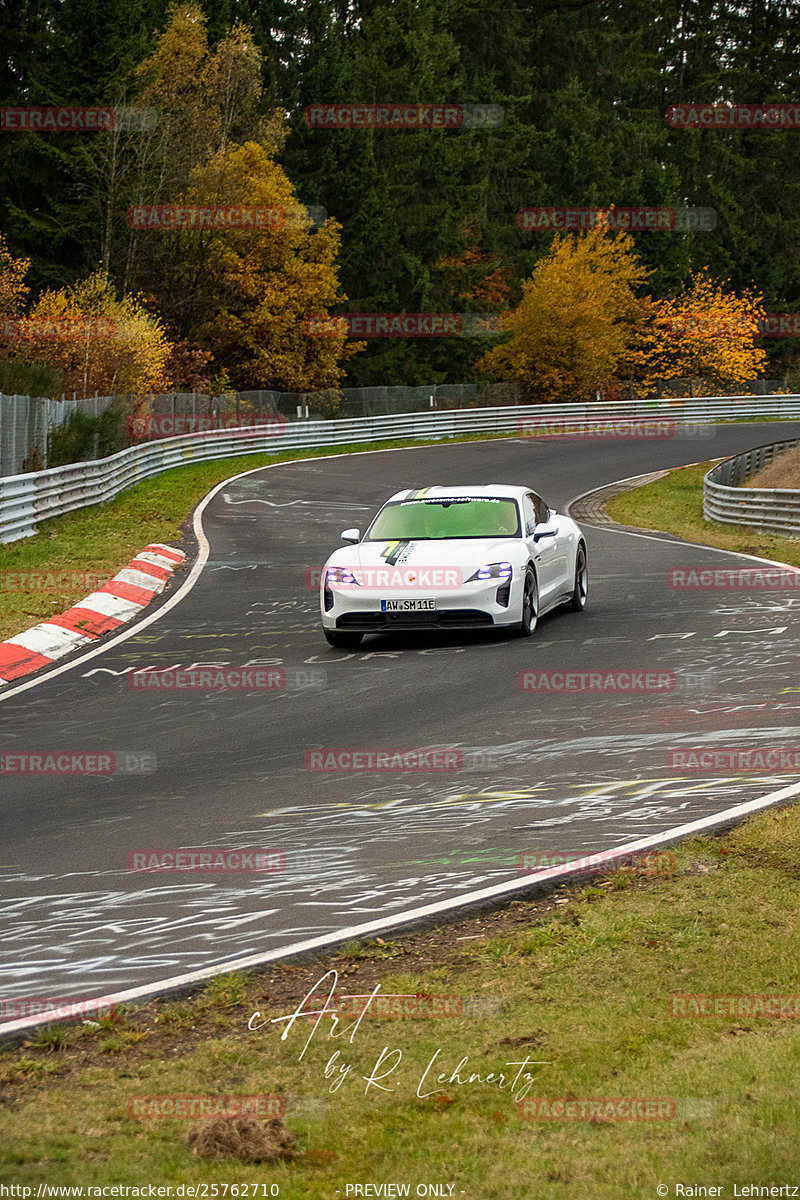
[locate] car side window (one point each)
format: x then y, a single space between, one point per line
542 511
529 513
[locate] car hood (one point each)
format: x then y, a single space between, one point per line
462 552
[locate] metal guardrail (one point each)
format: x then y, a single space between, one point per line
776 510
27 499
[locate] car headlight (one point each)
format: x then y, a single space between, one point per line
501 570
339 575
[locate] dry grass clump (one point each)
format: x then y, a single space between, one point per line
244 1138
782 472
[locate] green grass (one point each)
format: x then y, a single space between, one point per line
584 989
674 504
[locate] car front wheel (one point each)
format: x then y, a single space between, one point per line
530 605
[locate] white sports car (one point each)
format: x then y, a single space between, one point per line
454 558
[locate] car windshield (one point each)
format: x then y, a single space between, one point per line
445 517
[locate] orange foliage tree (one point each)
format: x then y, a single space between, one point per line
706 334
242 294
205 99
13 289
474 276
571 328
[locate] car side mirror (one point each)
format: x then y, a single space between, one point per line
543 531
351 535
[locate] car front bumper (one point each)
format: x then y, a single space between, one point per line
472 605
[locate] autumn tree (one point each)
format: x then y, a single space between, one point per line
97 342
189 368
13 289
197 100
18 377
475 280
572 326
239 294
707 333
205 98
246 293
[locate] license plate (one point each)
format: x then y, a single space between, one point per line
408 605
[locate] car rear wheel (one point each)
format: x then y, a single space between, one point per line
581 589
530 604
342 641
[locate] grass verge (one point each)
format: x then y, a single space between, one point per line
578 981
674 504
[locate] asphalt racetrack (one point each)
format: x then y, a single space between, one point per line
558 772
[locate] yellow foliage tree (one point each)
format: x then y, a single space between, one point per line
254 287
572 326
98 343
13 289
206 99
706 334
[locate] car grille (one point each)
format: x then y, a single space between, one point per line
441 619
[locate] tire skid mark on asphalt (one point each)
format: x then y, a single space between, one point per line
66 937
61 934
